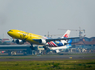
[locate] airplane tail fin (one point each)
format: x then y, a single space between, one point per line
66 35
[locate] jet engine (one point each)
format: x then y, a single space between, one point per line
43 41
18 41
57 51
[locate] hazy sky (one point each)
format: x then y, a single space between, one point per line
41 16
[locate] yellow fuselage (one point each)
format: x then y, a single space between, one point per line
17 34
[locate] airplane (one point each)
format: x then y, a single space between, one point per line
55 44
62 44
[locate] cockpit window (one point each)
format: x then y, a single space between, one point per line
10 30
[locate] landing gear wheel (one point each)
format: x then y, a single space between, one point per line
32 48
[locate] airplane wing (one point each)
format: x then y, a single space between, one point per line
57 39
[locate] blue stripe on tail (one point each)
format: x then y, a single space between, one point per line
69 45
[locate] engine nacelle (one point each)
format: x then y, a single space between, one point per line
43 41
57 51
18 41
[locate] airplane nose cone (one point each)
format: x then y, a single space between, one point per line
10 32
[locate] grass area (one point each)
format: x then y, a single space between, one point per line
37 56
49 65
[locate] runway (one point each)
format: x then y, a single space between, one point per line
47 57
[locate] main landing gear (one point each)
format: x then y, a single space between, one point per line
32 48
45 47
